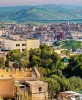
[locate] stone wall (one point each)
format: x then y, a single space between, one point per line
7 87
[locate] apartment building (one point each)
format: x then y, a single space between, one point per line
22 45
76 35
8 44
32 44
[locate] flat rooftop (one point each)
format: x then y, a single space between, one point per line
35 82
71 92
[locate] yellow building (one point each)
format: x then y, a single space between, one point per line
32 44
7 87
21 85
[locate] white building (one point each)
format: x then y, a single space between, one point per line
22 45
3 32
69 95
49 43
78 51
8 44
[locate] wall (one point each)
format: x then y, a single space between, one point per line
7 87
11 44
32 44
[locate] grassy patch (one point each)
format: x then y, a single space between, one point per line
72 43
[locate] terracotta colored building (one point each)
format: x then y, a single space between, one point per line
7 87
22 85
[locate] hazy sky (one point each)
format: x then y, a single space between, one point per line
38 2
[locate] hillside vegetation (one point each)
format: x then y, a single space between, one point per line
71 44
40 13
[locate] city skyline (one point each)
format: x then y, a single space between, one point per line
38 2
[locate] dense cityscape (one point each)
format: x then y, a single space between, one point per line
41 50
48 55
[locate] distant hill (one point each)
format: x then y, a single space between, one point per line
39 13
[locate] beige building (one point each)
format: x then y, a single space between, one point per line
8 44
22 45
22 85
76 35
38 90
32 44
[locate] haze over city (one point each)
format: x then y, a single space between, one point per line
38 2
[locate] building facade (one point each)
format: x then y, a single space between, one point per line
22 45
32 44
22 84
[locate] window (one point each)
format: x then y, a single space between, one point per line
23 49
23 44
22 86
40 89
1 75
17 44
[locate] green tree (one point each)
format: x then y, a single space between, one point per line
35 52
24 59
46 63
75 83
59 65
36 61
1 62
63 82
55 57
53 87
14 55
45 54
48 48
15 65
75 66
20 59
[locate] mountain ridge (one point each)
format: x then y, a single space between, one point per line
40 12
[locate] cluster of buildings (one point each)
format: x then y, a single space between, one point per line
14 37
47 34
25 37
23 45
69 95
26 84
22 84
